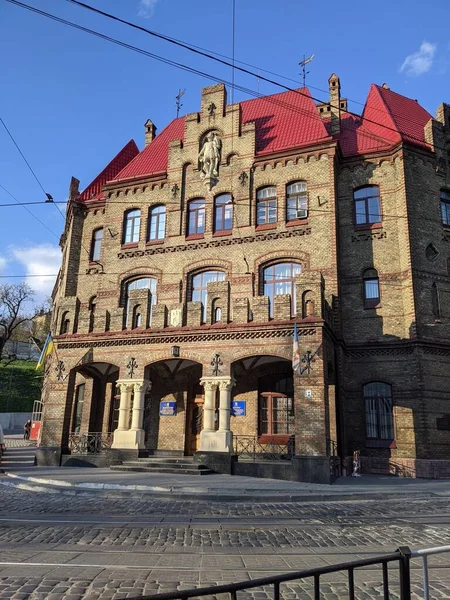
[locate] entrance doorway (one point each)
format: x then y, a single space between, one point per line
194 423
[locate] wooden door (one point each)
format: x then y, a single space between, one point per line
194 423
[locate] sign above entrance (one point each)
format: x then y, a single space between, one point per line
238 408
167 409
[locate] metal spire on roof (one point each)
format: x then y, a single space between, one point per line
303 64
178 103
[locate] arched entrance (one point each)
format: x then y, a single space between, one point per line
173 415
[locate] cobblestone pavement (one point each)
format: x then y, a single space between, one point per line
89 547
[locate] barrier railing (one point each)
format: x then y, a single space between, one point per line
89 443
248 447
424 554
271 585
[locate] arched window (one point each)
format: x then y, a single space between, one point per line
137 317
296 201
78 408
379 413
445 207
266 205
371 288
223 213
199 287
96 246
92 305
196 217
280 279
132 226
157 223
367 205
217 314
65 323
140 284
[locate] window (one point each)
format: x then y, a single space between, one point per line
445 207
379 414
92 305
140 284
276 405
157 223
367 205
196 217
199 287
266 206
371 288
223 213
78 409
65 323
217 314
96 247
296 201
132 226
280 279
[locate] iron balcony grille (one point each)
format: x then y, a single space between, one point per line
89 443
248 447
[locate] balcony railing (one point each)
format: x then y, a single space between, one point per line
252 448
89 443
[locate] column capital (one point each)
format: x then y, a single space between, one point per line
124 386
221 382
208 384
227 383
142 386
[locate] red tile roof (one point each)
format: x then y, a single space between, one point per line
94 189
283 121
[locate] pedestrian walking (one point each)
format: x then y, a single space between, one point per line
26 430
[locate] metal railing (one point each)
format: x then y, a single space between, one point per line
401 556
424 554
247 447
89 443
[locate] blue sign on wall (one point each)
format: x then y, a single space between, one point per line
167 409
238 408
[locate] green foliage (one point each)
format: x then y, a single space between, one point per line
20 386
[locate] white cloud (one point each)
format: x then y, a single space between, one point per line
147 8
419 62
3 262
41 264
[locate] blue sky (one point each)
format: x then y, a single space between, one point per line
72 100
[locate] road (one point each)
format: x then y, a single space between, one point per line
57 546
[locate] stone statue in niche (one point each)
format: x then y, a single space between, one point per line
209 159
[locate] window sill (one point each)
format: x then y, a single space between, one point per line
368 226
296 222
266 226
195 236
131 245
368 306
381 444
154 242
222 233
94 263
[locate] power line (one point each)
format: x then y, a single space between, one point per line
214 78
209 55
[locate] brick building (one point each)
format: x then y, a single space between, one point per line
186 265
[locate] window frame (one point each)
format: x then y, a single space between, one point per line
367 223
126 295
265 202
160 216
289 423
371 425
96 245
444 197
370 276
77 416
203 296
296 197
221 207
195 211
134 239
274 280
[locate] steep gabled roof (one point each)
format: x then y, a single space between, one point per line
94 189
154 157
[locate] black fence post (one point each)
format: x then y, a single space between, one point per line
404 571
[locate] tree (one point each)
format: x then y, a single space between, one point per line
14 313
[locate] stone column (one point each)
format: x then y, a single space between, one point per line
124 437
221 440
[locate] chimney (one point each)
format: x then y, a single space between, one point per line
74 188
150 132
335 103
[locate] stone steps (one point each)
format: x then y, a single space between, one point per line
173 466
17 458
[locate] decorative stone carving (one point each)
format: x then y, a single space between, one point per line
131 367
176 317
209 159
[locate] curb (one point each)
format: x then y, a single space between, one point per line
49 486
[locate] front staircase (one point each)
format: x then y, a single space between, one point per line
174 466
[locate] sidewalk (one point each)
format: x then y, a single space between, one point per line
74 480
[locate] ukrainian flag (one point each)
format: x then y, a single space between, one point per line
48 348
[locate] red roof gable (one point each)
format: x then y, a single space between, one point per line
94 189
154 157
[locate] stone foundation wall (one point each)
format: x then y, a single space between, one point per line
402 467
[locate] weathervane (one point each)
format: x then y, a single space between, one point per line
178 103
303 64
